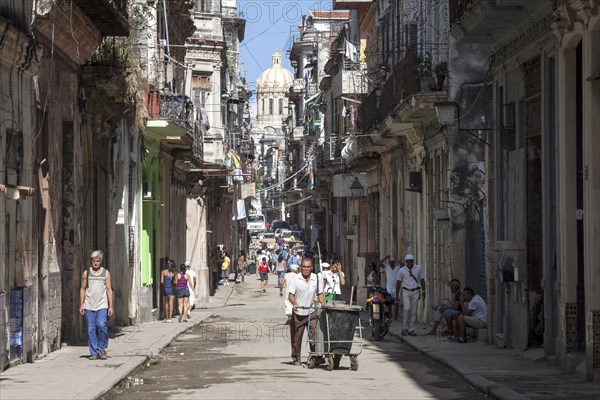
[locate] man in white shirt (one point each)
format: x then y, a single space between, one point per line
192 283
474 313
410 277
391 280
334 280
302 292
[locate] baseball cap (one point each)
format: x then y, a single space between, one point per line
409 257
294 267
392 258
325 265
187 263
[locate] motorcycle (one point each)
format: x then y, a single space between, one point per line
379 302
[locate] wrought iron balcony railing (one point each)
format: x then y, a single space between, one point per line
176 108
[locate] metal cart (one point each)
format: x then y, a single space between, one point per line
334 336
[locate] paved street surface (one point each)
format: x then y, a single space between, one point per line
241 350
244 353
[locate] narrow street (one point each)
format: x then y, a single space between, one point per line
242 351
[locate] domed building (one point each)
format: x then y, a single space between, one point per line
271 88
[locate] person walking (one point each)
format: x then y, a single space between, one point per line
263 271
167 280
241 267
183 292
96 303
225 268
281 267
302 293
410 277
391 281
192 284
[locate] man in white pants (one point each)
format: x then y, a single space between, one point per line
410 278
192 287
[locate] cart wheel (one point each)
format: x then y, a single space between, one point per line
329 363
310 363
353 363
336 361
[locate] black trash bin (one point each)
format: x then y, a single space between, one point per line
251 266
336 327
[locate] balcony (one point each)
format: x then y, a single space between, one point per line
350 80
297 89
109 16
352 4
170 122
489 21
404 103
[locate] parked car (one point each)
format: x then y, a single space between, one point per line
278 224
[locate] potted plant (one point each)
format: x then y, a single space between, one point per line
441 71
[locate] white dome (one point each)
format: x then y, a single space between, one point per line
276 76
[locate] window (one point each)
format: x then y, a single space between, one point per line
280 106
262 105
271 106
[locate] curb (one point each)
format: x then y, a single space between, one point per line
478 381
137 360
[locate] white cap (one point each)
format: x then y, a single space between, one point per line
409 257
187 263
392 258
325 265
294 267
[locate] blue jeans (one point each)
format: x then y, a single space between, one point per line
280 276
97 330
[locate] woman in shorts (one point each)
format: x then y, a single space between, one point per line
263 271
167 279
183 292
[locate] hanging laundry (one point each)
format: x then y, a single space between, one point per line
352 52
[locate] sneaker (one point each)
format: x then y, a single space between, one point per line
103 355
412 333
404 332
461 340
169 321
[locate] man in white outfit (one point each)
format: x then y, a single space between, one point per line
410 277
192 283
391 280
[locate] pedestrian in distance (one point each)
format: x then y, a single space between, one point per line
183 292
373 277
263 271
241 266
225 268
334 281
192 285
96 303
302 293
411 278
281 267
391 281
167 280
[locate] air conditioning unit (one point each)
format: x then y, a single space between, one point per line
147 191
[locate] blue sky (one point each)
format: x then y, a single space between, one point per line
269 26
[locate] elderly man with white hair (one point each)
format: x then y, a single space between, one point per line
411 278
